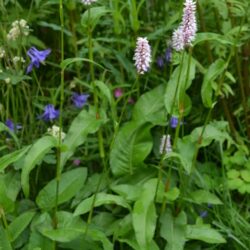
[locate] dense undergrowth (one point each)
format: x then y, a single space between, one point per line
117 131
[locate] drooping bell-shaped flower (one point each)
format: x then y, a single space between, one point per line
36 57
50 113
79 100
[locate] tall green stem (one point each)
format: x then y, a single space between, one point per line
58 167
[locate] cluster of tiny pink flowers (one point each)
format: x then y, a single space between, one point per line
185 33
88 2
142 55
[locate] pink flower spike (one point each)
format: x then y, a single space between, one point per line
142 55
184 35
189 25
178 39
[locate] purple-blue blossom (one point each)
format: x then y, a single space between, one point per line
50 113
36 57
79 100
174 122
160 62
204 214
168 55
12 126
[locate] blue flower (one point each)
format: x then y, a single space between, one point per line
36 57
168 55
79 100
174 122
204 214
50 113
160 62
12 127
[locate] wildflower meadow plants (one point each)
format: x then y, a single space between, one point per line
124 125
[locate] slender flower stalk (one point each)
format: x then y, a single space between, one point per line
58 165
142 55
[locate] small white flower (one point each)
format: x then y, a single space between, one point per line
88 2
19 27
165 146
142 55
17 59
55 132
7 80
2 52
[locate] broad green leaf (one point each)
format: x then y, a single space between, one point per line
68 228
36 153
91 16
19 224
203 196
245 174
233 174
129 192
12 183
131 147
173 229
10 158
85 123
175 96
134 245
99 200
216 130
39 242
204 233
4 241
150 107
70 183
186 149
172 194
144 215
212 73
209 36
5 201
235 183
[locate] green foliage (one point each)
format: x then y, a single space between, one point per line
70 183
36 153
99 181
144 215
